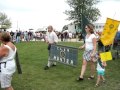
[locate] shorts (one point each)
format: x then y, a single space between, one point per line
6 73
101 72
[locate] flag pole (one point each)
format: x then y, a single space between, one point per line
82 28
115 35
114 38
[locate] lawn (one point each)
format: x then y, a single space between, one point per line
33 57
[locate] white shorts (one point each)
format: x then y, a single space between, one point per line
6 73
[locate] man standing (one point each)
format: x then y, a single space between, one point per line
50 39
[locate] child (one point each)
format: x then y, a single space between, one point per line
100 71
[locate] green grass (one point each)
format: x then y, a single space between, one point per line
33 57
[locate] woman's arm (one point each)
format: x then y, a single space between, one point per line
94 46
3 51
81 47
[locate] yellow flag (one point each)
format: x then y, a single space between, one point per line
106 56
109 31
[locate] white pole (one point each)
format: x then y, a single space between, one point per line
17 25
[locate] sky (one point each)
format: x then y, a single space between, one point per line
27 14
109 9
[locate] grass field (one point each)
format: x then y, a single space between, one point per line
33 57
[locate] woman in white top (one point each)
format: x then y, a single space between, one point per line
90 50
7 62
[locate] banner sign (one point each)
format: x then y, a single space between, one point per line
106 56
64 54
109 32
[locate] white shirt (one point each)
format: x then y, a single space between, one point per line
70 35
99 68
52 37
89 42
10 55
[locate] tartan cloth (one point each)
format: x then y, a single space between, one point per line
87 56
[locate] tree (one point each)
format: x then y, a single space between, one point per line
85 7
5 23
65 27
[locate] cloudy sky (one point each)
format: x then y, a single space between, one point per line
109 8
26 14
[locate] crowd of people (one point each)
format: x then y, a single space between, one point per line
19 36
8 51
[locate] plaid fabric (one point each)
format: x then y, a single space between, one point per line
87 56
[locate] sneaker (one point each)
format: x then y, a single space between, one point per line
46 68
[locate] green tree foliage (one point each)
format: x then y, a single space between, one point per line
5 23
65 27
85 7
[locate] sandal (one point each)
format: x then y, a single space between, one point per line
91 77
80 79
96 85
